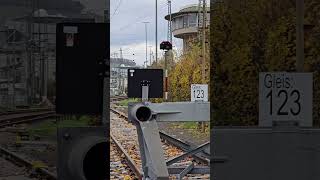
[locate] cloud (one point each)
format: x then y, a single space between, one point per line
134 51
137 51
128 31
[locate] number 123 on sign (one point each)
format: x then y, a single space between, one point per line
199 92
285 97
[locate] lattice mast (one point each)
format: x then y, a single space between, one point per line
169 34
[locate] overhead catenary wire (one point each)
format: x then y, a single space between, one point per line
116 9
133 23
118 31
138 19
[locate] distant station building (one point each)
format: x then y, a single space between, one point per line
187 23
118 76
27 47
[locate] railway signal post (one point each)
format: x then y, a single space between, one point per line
167 47
82 150
145 84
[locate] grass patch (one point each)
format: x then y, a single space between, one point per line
49 128
189 125
194 127
126 101
185 125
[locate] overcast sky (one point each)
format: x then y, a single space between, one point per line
97 6
128 30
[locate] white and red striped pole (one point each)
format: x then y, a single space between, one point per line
166 84
166 75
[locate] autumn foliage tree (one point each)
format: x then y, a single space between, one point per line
187 71
248 37
184 71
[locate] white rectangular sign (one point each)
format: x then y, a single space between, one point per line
285 97
199 92
70 29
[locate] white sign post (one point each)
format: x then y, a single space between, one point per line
199 92
285 97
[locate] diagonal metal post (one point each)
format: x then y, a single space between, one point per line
185 171
189 153
152 149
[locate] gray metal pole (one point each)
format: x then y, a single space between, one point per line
170 22
118 80
203 66
300 35
29 54
204 41
105 98
14 71
146 31
14 82
150 51
146 28
106 89
156 32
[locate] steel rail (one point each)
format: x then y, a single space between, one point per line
201 157
118 98
21 111
136 170
25 119
23 115
16 158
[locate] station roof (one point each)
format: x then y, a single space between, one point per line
186 10
55 19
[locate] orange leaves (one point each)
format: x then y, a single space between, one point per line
187 71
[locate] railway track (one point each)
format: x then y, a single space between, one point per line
121 160
117 98
20 111
123 134
24 117
202 157
21 168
